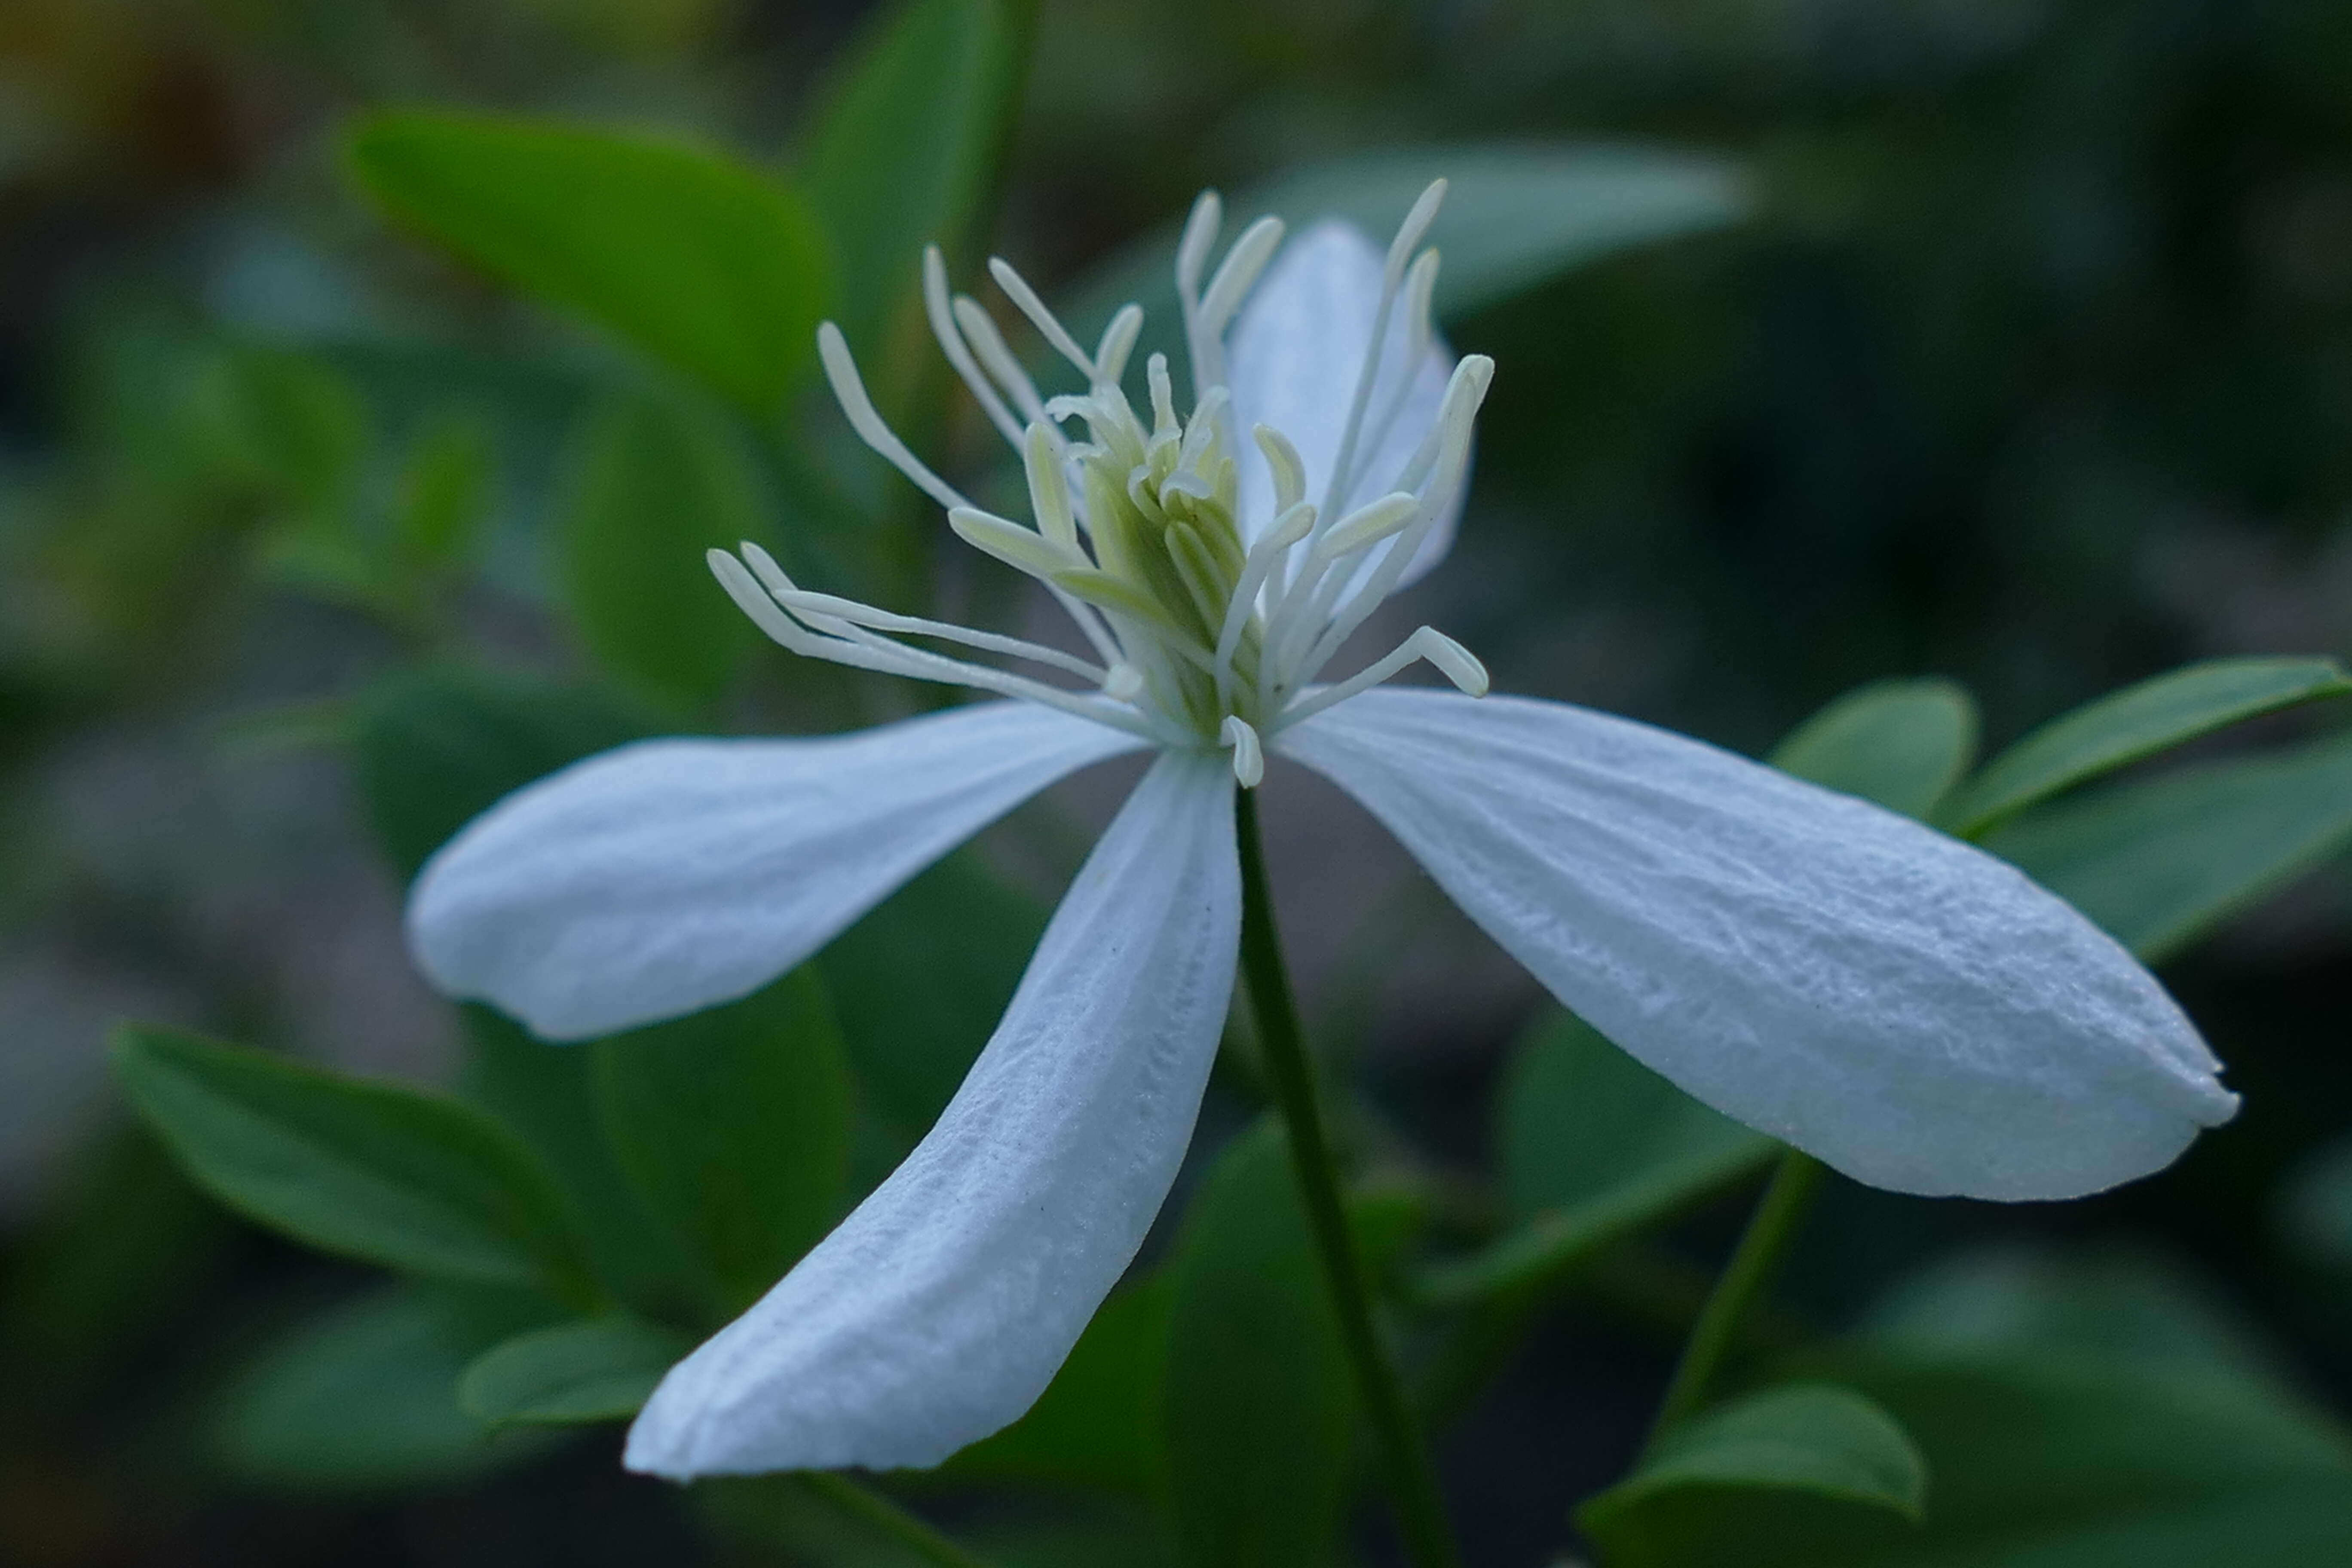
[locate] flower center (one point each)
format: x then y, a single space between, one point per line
1204 635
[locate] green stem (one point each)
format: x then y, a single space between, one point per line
1769 1230
1412 1482
887 1519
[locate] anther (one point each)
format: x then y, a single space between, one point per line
1240 268
1249 757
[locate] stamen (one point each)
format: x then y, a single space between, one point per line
1201 228
1420 285
1240 268
989 344
1294 524
1367 526
1049 488
1416 224
1249 757
1025 299
1117 343
943 327
1288 468
1024 550
1123 682
1163 397
850 392
805 604
1206 416
1454 661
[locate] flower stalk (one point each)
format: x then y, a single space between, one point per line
1405 1454
1753 1263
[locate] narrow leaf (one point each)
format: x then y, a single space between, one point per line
404 1177
2160 862
687 253
576 1373
1901 744
734 1125
2137 722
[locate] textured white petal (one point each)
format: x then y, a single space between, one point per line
672 874
938 1311
1296 349
1911 1010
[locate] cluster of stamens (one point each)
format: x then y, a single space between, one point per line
1201 635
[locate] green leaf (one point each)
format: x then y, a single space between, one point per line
362 1399
1800 1475
1901 744
2108 1306
1094 1425
2056 1464
899 152
1516 215
689 254
734 1125
1593 1147
2161 861
446 488
437 748
2137 722
653 488
396 1176
576 1373
2316 1207
1260 1415
286 423
969 933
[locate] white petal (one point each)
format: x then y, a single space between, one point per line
672 874
940 1310
1296 349
1911 1010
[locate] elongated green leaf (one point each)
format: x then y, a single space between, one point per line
447 483
1095 1426
1594 1147
436 750
733 1125
2160 862
2316 1207
1901 744
899 152
653 488
2055 1464
362 1400
688 254
576 1373
1800 1475
404 1177
2135 722
1260 1415
1516 215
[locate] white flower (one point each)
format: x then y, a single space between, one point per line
1910 1010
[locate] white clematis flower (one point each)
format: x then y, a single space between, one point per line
1910 1010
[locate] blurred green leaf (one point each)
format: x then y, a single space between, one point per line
438 748
1593 1147
969 933
2160 862
1901 744
2082 1307
1797 1476
734 1125
568 1374
824 1518
1259 1410
653 488
2135 722
2316 1207
286 423
1516 215
404 1177
445 484
901 150
1095 1426
2051 1463
689 253
362 1399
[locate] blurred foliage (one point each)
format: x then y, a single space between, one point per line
374 372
